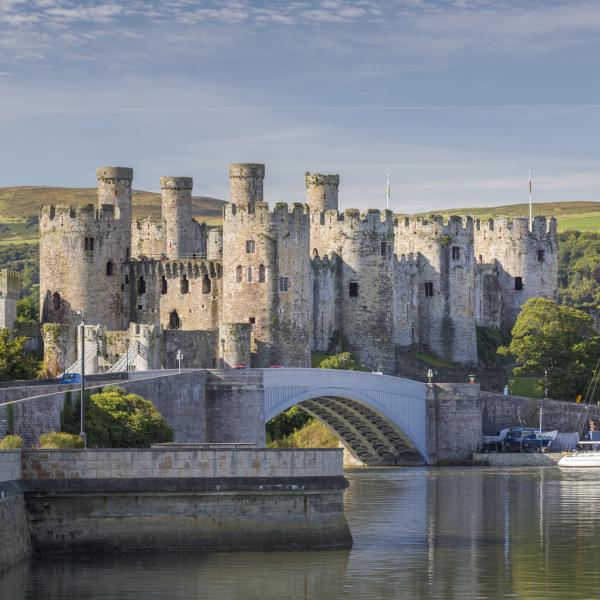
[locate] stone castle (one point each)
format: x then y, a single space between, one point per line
273 284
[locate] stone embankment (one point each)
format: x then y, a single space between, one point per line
170 500
517 459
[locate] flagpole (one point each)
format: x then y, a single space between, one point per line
530 205
387 197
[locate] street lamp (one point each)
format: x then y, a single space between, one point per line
82 377
127 355
430 376
179 359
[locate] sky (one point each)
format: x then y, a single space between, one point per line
455 99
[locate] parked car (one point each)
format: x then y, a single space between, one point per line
70 378
276 367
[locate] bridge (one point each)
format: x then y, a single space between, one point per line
379 419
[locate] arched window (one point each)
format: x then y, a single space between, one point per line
262 274
56 301
250 274
141 285
163 285
238 274
109 268
174 320
206 284
185 284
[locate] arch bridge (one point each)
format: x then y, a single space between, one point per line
380 419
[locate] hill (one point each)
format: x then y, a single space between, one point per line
578 216
20 205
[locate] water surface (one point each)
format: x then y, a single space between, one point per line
418 533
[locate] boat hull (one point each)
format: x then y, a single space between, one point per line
584 459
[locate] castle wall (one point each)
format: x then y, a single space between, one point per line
447 284
406 300
518 252
176 294
148 238
199 349
488 296
326 288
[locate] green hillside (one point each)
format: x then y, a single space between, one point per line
578 216
20 205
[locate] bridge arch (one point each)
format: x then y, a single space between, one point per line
380 419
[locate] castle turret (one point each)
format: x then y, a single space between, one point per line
246 184
234 345
177 214
321 192
114 188
10 288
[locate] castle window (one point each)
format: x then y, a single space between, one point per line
238 274
141 285
56 301
109 268
481 258
126 278
262 274
353 289
541 256
252 321
88 244
174 320
250 247
163 285
455 252
206 284
284 284
518 283
250 274
384 248
428 289
185 284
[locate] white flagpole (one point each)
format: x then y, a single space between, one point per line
530 205
387 198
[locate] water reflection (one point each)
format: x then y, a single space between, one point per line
419 533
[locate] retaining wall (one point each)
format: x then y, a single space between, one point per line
517 459
14 533
160 500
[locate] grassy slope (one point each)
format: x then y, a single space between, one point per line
582 216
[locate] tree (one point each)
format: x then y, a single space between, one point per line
342 361
116 419
559 339
15 361
27 309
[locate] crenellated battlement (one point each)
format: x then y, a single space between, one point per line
517 226
327 262
410 260
76 217
171 268
353 218
10 283
296 215
436 226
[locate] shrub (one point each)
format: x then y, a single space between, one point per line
343 361
11 442
116 419
59 440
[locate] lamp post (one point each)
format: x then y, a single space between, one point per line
430 376
82 378
127 355
179 359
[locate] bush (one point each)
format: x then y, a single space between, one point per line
343 361
59 440
11 442
116 419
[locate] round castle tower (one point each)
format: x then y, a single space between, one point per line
321 196
176 195
234 344
266 270
246 184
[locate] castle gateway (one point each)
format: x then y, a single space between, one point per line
275 283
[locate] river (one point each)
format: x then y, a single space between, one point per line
418 533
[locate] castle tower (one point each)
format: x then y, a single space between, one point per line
234 345
10 289
321 192
526 261
446 295
114 188
246 184
177 213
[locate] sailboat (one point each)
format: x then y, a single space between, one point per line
583 457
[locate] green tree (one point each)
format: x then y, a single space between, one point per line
559 339
116 419
27 309
285 424
15 361
343 361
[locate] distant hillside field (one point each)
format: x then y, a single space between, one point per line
19 206
577 216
